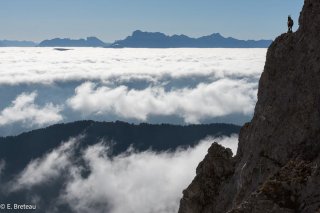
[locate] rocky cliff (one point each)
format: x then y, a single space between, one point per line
276 168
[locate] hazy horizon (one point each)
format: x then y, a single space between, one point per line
36 20
78 38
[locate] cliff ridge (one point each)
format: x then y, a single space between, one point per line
276 168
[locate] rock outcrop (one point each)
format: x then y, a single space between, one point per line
276 168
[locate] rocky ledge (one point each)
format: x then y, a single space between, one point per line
276 168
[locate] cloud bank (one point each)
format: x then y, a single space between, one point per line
47 168
24 110
135 85
130 182
46 66
206 100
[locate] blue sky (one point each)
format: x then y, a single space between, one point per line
115 19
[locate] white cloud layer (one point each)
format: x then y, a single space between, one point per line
24 110
150 85
132 182
47 168
45 65
217 99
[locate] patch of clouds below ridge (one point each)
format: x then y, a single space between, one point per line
130 182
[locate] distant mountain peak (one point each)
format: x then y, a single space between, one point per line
93 38
141 39
137 32
67 42
218 35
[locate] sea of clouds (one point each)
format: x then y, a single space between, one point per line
43 86
131 182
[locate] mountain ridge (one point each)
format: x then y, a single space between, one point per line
159 137
67 42
66 144
140 39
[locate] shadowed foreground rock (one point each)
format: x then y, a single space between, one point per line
276 169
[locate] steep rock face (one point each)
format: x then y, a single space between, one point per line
276 168
202 196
